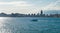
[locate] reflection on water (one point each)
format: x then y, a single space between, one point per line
25 25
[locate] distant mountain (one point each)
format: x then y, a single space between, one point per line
51 12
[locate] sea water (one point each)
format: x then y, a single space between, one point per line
26 25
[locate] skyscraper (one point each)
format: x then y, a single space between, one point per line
41 12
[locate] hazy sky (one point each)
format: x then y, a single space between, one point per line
28 6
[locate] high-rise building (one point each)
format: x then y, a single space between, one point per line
41 12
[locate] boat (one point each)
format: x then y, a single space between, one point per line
34 19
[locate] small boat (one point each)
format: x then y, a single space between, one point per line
35 20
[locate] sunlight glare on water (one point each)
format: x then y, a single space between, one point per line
1 21
3 28
25 25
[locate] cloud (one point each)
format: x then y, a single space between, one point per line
16 3
24 6
53 6
16 6
24 10
9 0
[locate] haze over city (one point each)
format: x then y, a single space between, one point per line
28 6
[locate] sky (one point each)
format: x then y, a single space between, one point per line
28 6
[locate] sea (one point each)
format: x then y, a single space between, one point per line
26 25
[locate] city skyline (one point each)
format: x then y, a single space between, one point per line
41 14
28 6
